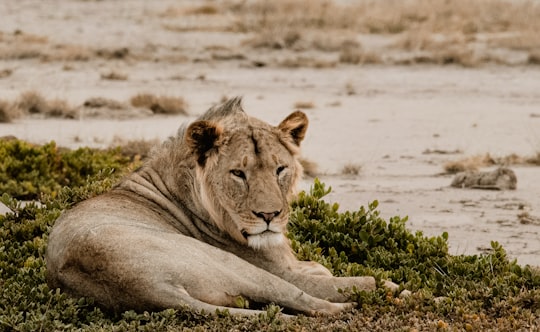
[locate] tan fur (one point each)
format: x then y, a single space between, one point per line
201 223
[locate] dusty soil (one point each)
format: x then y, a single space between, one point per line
398 125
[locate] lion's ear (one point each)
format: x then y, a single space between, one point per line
203 138
295 126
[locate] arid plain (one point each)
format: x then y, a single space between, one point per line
398 97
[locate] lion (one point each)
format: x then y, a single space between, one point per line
201 224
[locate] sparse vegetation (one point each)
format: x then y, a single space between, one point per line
100 102
114 75
5 73
476 162
350 89
135 149
206 9
479 292
304 104
160 104
437 32
417 31
8 113
33 103
535 160
310 167
351 169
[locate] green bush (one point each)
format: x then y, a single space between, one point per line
478 292
28 171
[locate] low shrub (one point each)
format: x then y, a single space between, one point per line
28 171
476 292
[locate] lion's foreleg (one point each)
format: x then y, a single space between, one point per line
313 278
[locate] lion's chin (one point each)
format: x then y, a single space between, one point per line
264 240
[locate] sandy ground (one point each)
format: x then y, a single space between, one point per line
384 119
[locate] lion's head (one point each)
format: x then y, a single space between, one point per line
247 171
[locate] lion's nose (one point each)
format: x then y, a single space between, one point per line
267 216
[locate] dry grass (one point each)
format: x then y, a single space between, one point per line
8 112
428 31
351 169
205 9
310 167
113 54
304 105
5 115
534 160
22 46
437 49
100 102
58 108
160 104
436 31
31 102
135 149
534 57
356 55
5 73
476 162
303 61
438 16
114 75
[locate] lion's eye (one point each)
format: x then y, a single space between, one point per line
280 169
238 173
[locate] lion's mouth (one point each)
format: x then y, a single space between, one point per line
245 233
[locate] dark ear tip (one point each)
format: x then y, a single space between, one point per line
295 125
202 130
202 136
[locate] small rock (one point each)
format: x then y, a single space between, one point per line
405 293
392 286
502 178
4 209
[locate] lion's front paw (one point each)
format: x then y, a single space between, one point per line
333 309
394 288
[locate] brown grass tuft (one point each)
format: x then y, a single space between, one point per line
100 102
117 53
304 105
135 149
310 167
160 104
57 108
8 112
534 160
534 58
206 9
31 102
351 169
5 73
114 76
475 162
435 31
